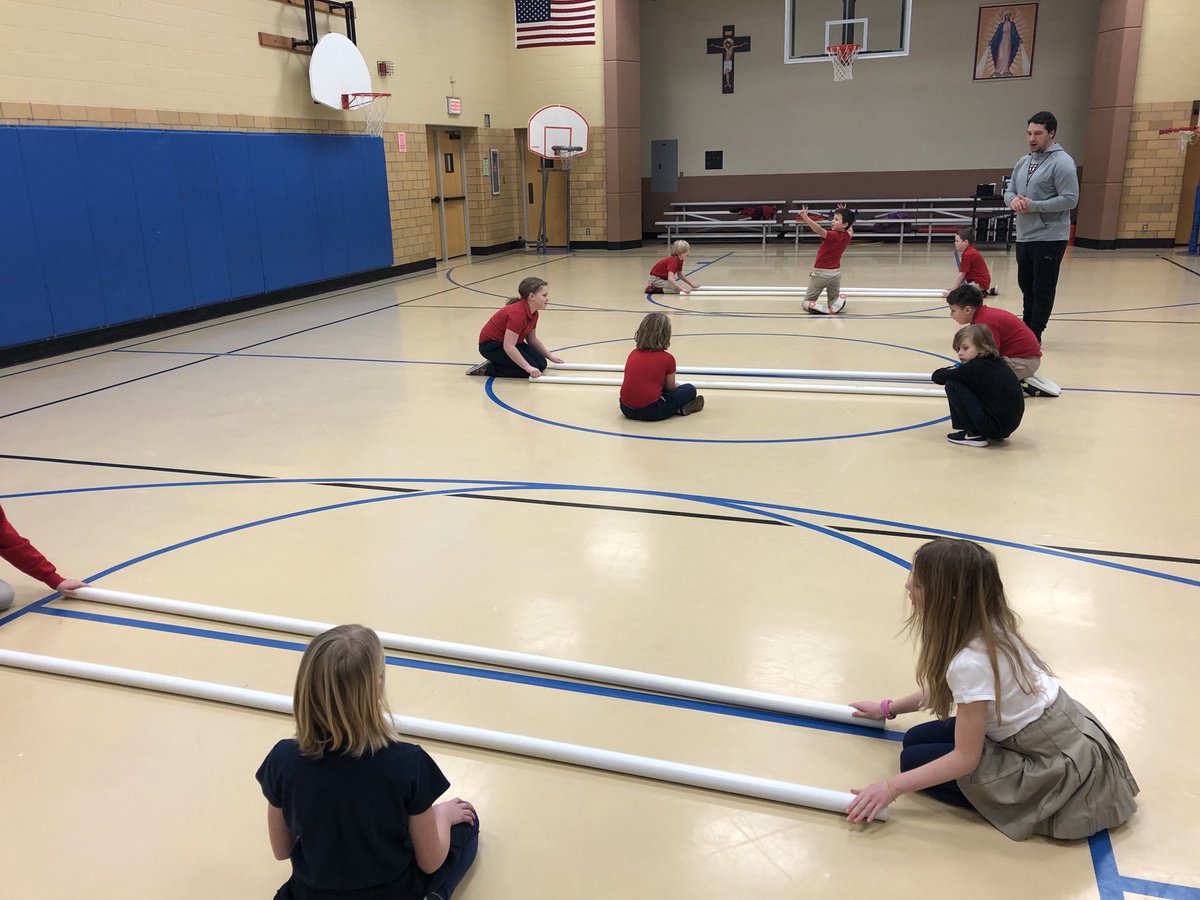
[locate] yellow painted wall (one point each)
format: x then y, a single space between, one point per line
203 56
1168 62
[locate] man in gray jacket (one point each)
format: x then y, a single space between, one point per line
1042 192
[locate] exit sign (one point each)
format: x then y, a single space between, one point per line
454 106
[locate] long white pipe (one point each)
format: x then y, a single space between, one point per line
662 684
572 754
759 373
720 290
804 387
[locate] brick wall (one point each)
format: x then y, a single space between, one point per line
495 219
589 192
1153 171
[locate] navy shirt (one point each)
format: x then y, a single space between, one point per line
350 816
998 389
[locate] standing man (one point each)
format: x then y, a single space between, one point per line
1042 192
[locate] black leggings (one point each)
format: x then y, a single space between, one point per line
926 742
502 364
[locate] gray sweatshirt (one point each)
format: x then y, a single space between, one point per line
1048 179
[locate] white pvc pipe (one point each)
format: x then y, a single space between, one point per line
662 684
759 373
721 290
800 387
537 748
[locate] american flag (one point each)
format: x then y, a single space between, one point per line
555 23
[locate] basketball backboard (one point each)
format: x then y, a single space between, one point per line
337 68
879 27
556 125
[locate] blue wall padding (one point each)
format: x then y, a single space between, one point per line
24 304
103 226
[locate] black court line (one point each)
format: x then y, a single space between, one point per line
1181 265
845 529
395 489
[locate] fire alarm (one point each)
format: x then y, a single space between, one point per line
385 67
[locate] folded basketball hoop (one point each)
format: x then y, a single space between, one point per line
843 56
372 105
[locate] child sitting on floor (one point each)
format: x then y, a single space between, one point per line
1015 341
649 392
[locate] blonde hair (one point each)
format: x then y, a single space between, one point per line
981 337
654 332
339 703
678 248
962 600
530 285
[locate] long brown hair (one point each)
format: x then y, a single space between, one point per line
654 332
338 702
963 599
530 285
981 337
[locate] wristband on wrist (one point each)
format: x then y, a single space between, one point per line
885 706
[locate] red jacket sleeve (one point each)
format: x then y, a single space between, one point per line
22 554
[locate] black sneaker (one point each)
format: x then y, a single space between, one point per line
965 439
692 406
993 292
484 368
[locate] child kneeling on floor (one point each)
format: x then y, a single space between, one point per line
649 392
986 400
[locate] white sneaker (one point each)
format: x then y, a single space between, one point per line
1043 385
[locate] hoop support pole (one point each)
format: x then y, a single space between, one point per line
759 373
645 681
799 387
504 742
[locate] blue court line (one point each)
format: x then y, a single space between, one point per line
542 681
1113 884
488 388
707 263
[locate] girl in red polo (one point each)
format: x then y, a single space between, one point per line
509 340
649 392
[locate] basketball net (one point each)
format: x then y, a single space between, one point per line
373 107
566 156
1187 137
843 56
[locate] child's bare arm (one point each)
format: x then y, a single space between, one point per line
810 222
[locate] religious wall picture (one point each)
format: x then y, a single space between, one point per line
1004 41
728 44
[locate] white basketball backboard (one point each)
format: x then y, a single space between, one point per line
337 68
557 125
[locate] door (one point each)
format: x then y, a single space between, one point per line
556 201
664 167
1187 196
448 199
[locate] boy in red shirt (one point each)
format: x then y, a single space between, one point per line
22 554
667 274
827 270
1014 340
971 267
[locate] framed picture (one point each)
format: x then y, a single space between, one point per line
1004 41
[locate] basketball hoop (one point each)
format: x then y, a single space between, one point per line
843 56
373 107
1186 136
566 155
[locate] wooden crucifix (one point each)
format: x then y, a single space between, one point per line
727 45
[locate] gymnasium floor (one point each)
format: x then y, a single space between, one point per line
759 544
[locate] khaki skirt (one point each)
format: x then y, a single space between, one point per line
1061 775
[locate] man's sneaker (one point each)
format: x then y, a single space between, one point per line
965 439
484 368
692 406
1043 387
